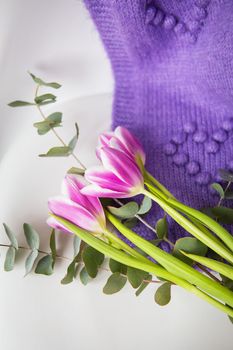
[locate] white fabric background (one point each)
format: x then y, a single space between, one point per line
57 40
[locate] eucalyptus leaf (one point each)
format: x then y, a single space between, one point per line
156 241
143 285
84 277
116 266
74 140
63 151
189 245
135 276
52 121
162 228
76 171
45 98
30 261
18 103
11 236
114 283
70 274
129 210
76 244
41 82
52 244
218 188
131 223
32 236
92 260
9 259
223 214
163 294
226 175
45 265
145 206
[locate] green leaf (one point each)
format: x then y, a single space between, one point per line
162 228
55 117
74 140
143 285
131 223
114 283
52 244
135 276
218 188
76 244
45 265
76 171
189 245
64 151
116 266
145 206
41 82
11 236
129 210
231 319
222 268
223 214
30 261
45 99
32 236
226 175
70 274
20 104
9 259
156 241
163 294
84 277
52 121
92 260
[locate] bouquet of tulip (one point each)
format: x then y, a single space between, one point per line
91 208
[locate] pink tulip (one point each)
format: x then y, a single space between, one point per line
119 177
124 141
82 210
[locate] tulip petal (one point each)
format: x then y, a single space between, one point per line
121 165
105 137
130 142
101 177
97 191
72 186
75 213
52 222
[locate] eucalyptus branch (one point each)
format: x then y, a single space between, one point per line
55 132
225 191
39 251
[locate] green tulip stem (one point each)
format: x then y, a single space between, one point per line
174 265
194 214
191 227
156 270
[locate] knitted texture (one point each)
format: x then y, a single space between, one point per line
173 61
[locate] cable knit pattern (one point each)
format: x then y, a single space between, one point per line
173 66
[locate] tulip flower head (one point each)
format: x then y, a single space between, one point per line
119 177
124 141
82 210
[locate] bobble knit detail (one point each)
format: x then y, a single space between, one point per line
158 16
176 97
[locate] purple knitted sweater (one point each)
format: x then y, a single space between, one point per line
173 66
